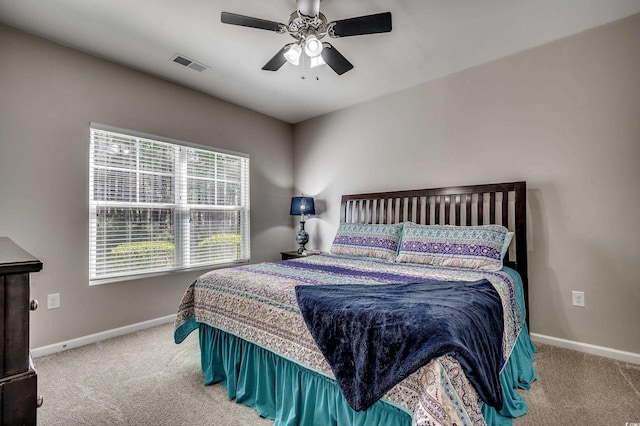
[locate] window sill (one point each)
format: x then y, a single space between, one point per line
137 277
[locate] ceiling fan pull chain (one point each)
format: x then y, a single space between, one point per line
303 68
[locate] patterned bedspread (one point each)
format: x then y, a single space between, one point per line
258 304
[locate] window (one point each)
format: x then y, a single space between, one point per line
161 205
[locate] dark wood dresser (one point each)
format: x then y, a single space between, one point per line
18 378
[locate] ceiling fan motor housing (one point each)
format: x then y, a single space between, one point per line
301 26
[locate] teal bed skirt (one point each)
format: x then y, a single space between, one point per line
292 395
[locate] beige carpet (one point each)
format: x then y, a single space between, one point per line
574 388
138 379
145 379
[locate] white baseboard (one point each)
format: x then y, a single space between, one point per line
93 338
587 348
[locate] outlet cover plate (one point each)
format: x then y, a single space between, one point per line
53 301
577 298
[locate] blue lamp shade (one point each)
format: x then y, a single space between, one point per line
302 206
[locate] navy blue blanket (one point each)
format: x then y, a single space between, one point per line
374 336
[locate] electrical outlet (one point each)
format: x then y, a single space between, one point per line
577 298
53 301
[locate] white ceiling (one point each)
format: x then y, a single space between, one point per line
430 39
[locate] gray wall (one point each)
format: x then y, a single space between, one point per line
48 96
565 117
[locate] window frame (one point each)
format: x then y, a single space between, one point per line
181 208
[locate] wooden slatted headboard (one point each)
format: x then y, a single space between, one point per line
500 203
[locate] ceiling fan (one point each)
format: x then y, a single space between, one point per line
308 27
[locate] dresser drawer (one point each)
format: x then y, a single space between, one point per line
14 326
18 399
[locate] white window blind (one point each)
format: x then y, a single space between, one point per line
160 205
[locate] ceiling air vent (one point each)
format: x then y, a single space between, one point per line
189 63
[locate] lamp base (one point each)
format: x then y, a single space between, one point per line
302 238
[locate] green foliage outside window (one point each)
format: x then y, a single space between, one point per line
220 246
161 254
151 254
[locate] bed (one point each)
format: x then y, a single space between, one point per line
275 335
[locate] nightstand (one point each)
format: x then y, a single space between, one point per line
288 255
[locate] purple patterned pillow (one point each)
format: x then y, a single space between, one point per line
369 240
470 247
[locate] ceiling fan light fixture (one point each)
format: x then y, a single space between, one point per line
292 55
316 61
312 46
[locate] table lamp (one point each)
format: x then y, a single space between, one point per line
302 206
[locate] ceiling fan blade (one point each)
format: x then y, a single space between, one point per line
335 60
248 21
370 24
309 8
278 60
